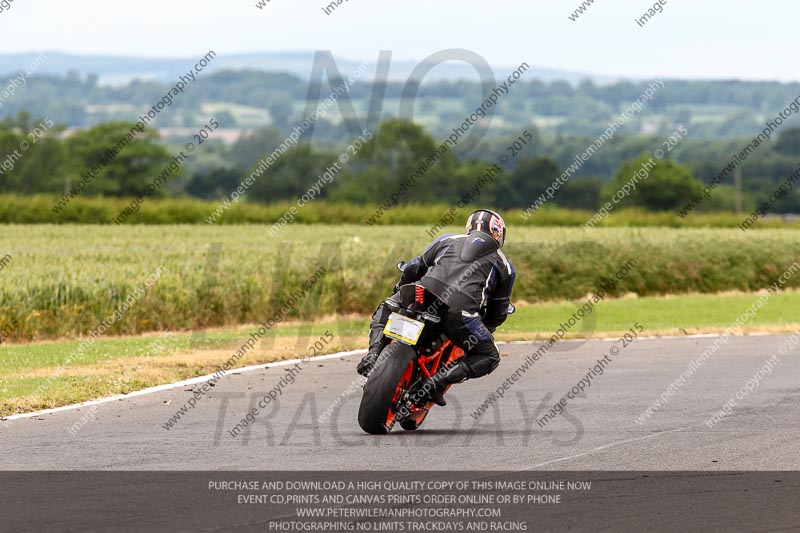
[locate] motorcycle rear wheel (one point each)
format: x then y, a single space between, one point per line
384 386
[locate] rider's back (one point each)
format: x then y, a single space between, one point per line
466 269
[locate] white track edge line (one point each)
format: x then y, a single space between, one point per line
233 371
168 386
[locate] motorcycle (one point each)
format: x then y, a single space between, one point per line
393 392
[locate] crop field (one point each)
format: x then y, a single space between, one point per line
68 280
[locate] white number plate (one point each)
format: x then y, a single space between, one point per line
403 328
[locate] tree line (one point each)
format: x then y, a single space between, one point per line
55 162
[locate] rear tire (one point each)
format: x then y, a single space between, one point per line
382 386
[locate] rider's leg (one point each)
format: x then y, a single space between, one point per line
468 332
432 389
377 340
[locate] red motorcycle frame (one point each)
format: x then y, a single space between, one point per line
393 391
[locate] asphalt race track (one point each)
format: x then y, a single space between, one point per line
598 431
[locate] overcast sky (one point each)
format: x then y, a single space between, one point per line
689 39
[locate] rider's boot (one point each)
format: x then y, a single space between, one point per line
433 387
377 342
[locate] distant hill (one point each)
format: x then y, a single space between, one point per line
247 91
119 70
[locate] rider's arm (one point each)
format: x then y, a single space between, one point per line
497 303
417 267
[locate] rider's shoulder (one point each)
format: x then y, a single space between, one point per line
448 237
506 262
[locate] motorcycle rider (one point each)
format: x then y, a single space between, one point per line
473 279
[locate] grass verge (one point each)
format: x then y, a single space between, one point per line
48 374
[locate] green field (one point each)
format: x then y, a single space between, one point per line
66 280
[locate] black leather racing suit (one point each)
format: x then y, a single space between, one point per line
469 274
